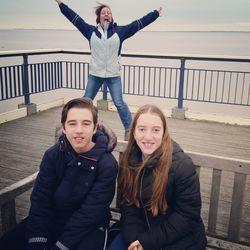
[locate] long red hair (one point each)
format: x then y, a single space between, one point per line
128 179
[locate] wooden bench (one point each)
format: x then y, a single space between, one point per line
225 189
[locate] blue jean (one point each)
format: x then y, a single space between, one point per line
114 85
118 243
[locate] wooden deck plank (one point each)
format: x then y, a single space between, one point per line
24 141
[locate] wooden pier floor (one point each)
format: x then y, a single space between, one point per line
23 141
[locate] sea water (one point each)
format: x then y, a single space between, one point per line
167 42
159 42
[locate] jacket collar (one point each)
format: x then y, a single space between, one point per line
136 158
176 150
110 30
101 146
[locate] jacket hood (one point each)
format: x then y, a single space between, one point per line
176 150
135 158
107 132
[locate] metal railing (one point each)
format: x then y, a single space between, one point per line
181 83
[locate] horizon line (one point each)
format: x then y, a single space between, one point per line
156 30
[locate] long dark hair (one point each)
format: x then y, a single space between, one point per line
128 179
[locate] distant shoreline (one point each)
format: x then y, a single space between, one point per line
171 31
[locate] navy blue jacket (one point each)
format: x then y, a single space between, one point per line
72 193
106 46
181 227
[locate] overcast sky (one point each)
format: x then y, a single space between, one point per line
176 14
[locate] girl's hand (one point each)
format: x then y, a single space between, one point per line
136 245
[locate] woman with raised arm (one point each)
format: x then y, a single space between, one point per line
105 40
159 190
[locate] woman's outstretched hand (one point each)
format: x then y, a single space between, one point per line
58 1
159 10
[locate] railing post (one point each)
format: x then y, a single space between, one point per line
31 107
8 215
26 80
103 104
181 84
105 92
61 75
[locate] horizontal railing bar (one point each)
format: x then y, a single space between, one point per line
131 54
209 161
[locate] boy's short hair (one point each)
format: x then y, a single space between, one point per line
83 102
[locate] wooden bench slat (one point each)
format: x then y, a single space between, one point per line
214 200
16 189
8 215
237 207
214 243
222 163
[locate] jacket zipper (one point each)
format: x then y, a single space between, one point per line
144 209
106 50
